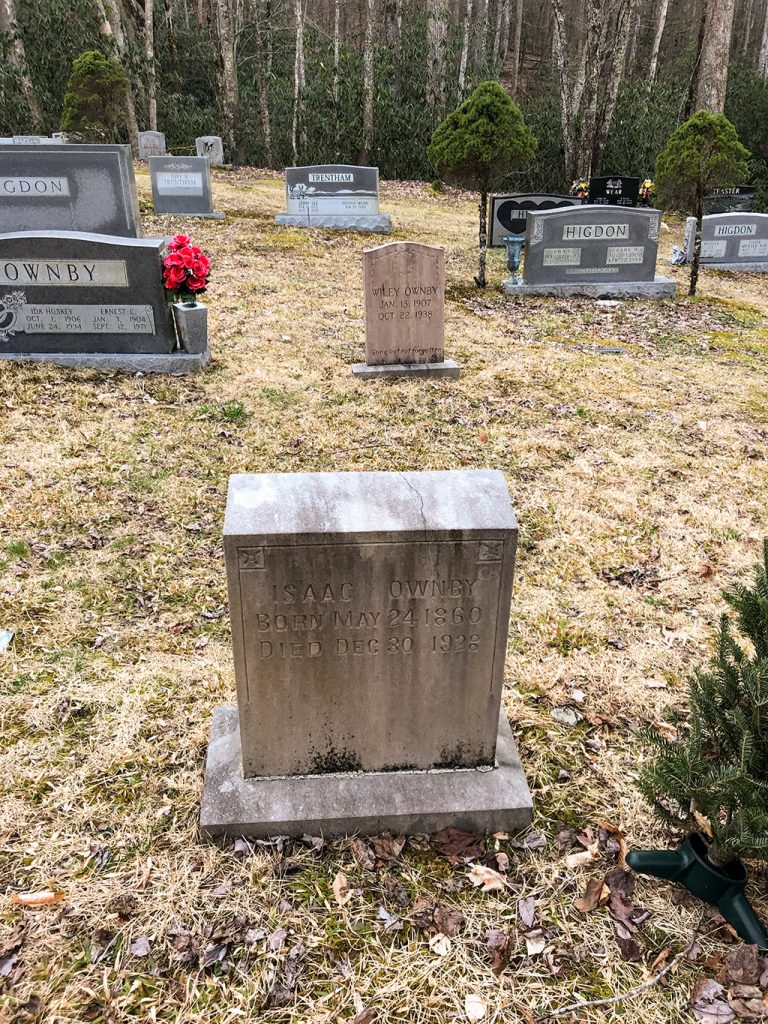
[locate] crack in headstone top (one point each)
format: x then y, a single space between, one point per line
421 502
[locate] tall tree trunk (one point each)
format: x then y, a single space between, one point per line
336 51
514 77
367 144
225 18
149 56
464 52
436 32
762 63
480 280
299 82
111 27
481 38
496 54
612 76
715 53
263 84
661 21
18 60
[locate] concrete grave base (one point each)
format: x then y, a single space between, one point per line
748 268
216 215
448 368
496 799
659 288
171 362
379 223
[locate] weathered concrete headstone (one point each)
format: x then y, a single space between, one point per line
88 300
212 147
737 199
334 196
509 214
730 241
369 622
613 190
404 286
69 188
592 250
151 144
182 184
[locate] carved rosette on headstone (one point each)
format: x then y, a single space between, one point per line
404 294
369 622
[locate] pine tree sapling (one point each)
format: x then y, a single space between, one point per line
95 98
718 769
478 146
701 155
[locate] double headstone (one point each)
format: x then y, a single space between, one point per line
334 196
88 300
369 624
182 184
211 147
737 199
151 144
404 286
509 214
69 188
592 250
613 190
730 241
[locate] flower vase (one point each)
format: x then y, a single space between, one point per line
191 319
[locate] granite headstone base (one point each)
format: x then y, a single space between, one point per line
659 288
447 368
378 223
406 802
139 362
743 268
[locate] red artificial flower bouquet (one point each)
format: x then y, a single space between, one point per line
185 270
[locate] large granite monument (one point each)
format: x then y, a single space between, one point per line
737 199
369 624
509 214
89 300
212 147
182 184
730 241
151 144
59 187
334 196
404 285
601 251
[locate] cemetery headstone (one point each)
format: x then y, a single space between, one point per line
613 190
151 144
334 196
182 184
30 140
738 199
59 187
509 214
601 251
404 286
369 623
88 300
212 147
730 241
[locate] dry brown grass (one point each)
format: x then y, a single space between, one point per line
640 484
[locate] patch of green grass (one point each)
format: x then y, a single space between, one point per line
279 398
18 549
233 412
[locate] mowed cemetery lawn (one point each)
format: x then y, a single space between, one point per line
639 479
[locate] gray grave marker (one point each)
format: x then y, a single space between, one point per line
211 147
69 188
509 214
730 241
87 300
151 144
30 140
334 196
182 184
369 623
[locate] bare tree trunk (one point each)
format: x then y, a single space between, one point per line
299 81
713 67
514 77
230 100
496 54
661 21
762 63
18 60
612 76
111 27
336 49
261 71
436 33
481 39
480 280
149 56
367 145
748 26
464 52
571 84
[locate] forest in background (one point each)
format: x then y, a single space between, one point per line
601 83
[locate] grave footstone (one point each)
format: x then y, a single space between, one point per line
69 188
211 147
730 241
369 622
509 214
334 196
151 144
182 184
88 300
599 251
613 190
404 286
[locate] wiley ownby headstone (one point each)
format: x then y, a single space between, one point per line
334 196
369 620
182 184
58 187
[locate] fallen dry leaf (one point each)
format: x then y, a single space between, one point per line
44 898
597 892
440 944
141 946
456 846
341 889
474 1007
490 880
500 946
449 922
535 944
708 1004
364 1017
362 854
582 858
526 911
749 1002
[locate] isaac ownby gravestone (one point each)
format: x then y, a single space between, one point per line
182 184
404 285
211 147
592 250
730 241
87 300
369 622
69 188
334 196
